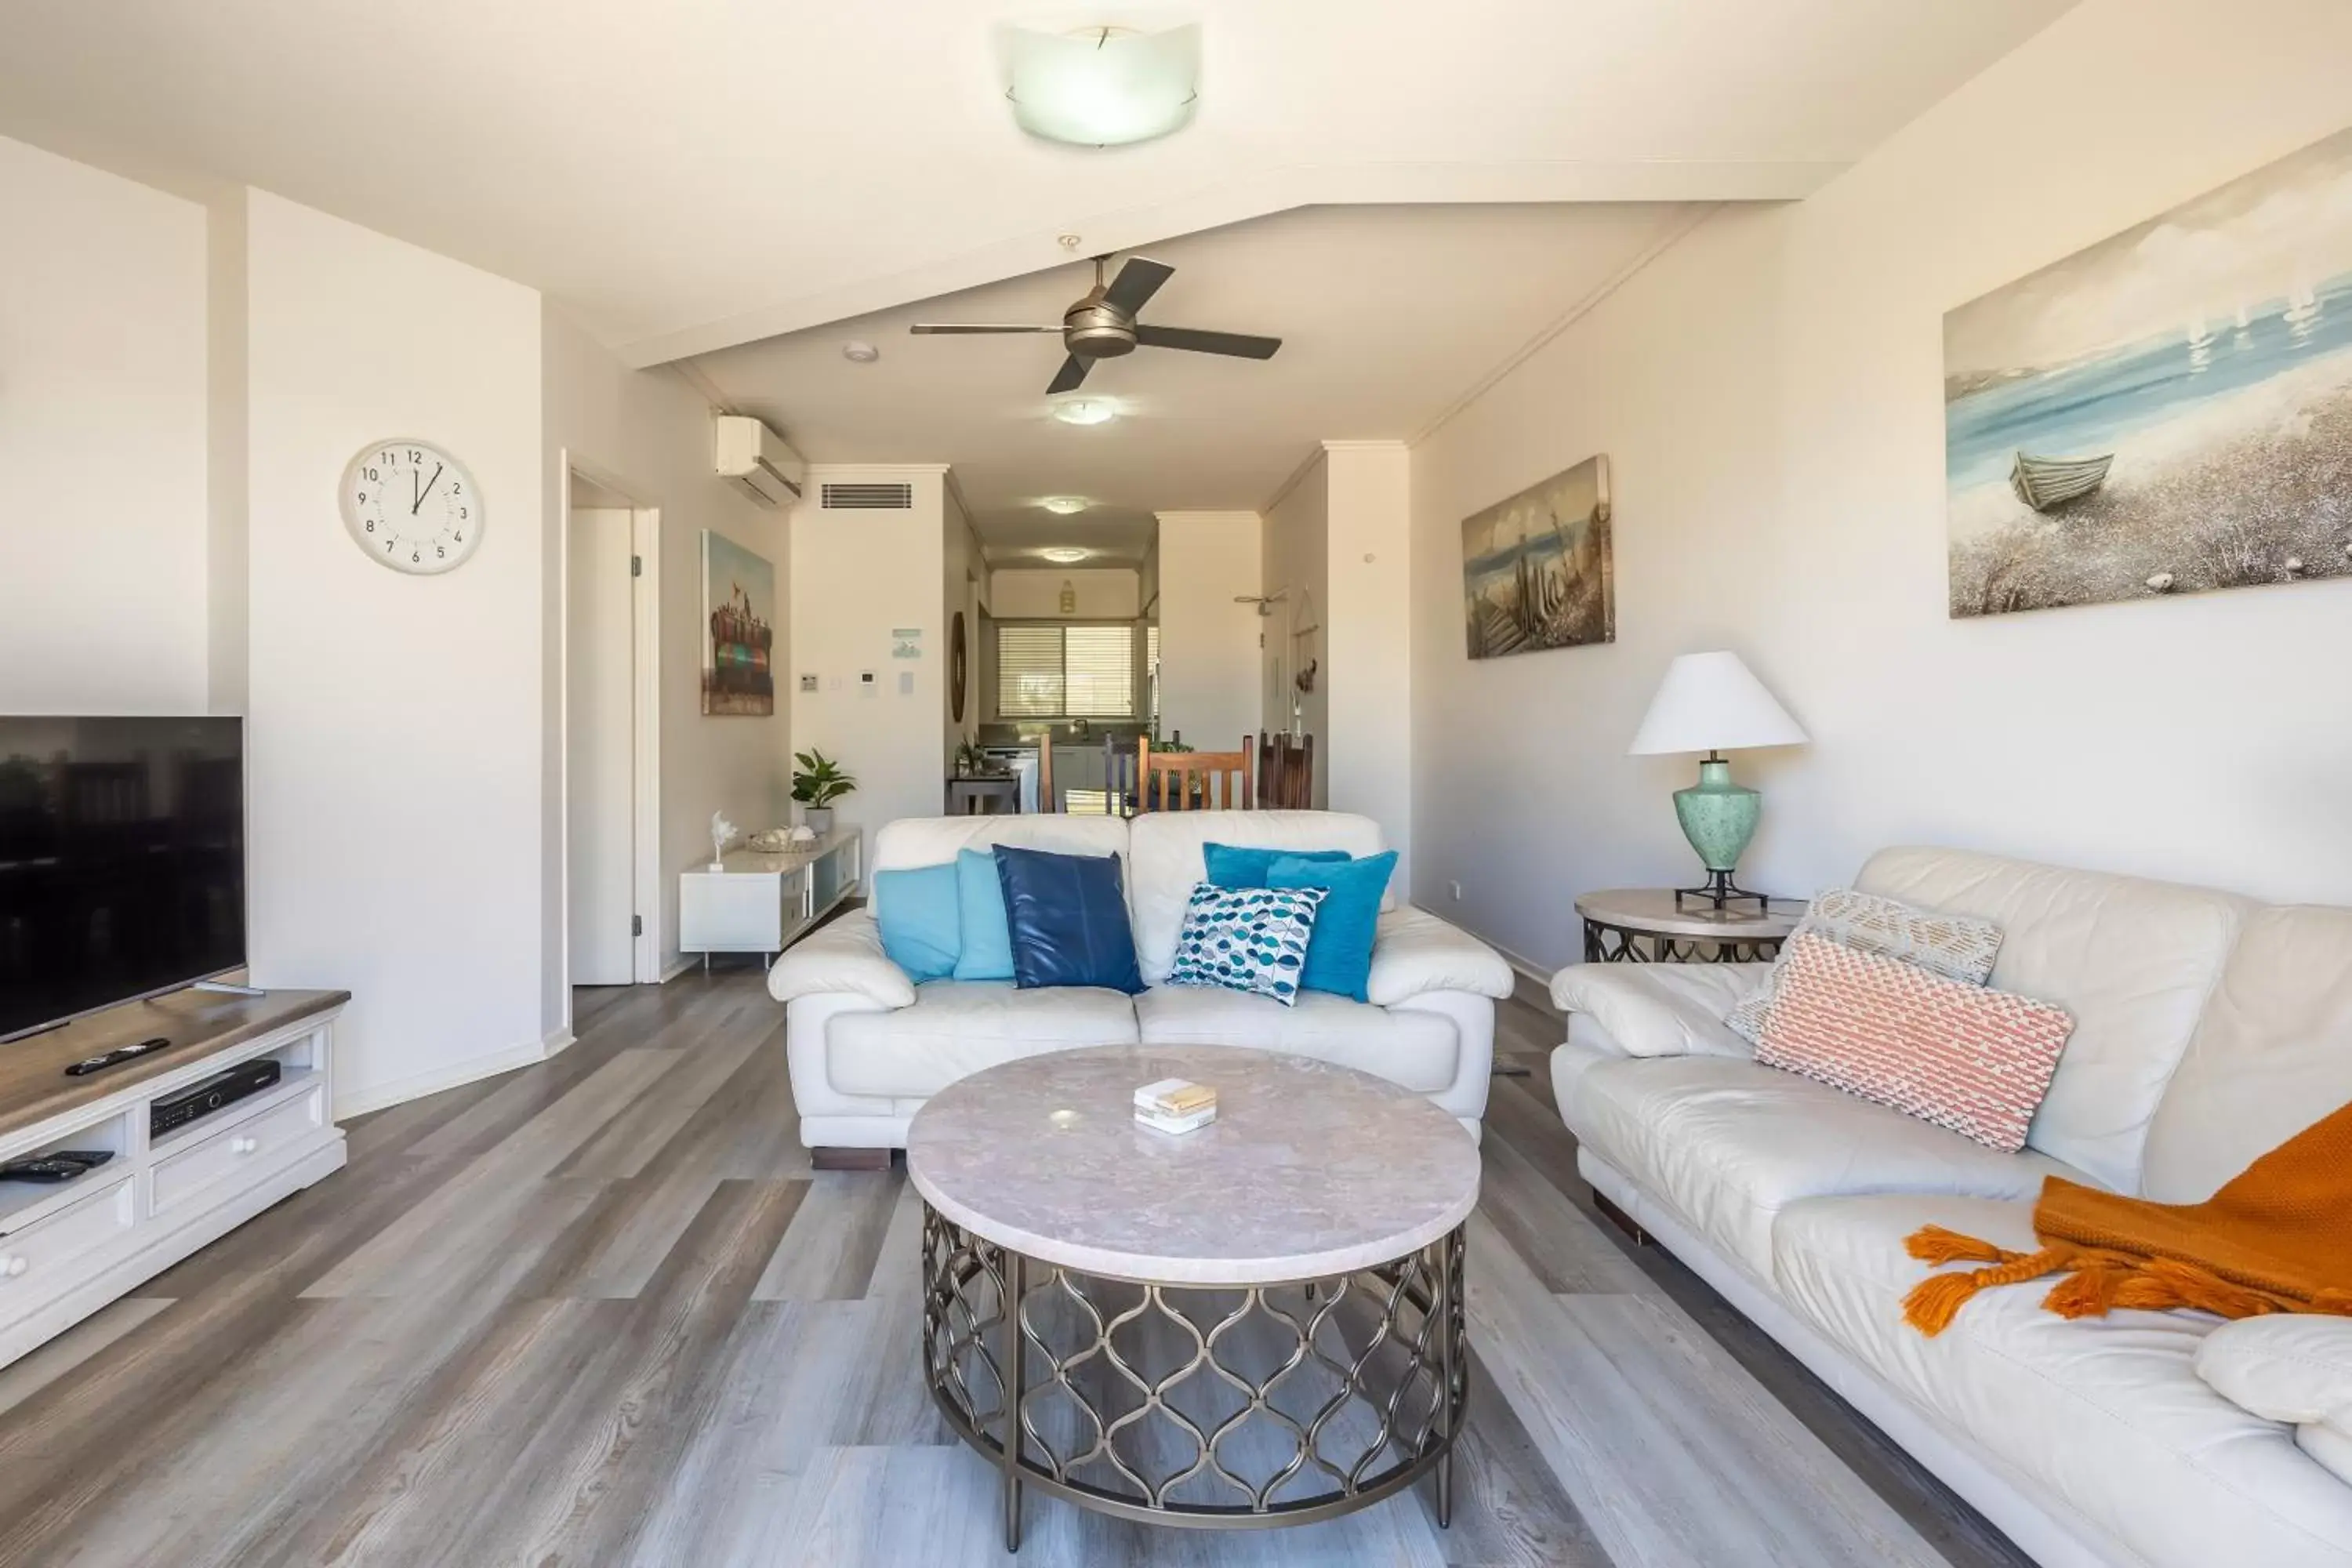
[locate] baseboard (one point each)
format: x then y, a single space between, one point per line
674 969
377 1097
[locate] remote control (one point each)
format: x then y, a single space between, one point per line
48 1168
115 1057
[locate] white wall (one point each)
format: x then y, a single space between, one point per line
1365 763
394 762
1770 395
648 434
1295 561
103 521
856 577
1105 594
1209 674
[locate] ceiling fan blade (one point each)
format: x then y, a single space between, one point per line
942 328
1137 282
1073 370
1241 345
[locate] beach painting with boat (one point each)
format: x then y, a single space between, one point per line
2165 412
1536 568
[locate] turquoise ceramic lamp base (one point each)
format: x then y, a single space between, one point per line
1718 817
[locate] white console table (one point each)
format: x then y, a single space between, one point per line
69 1248
763 903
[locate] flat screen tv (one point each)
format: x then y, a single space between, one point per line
122 861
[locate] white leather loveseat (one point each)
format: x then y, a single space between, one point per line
2209 1029
868 1046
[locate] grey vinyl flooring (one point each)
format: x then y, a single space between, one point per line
602 1312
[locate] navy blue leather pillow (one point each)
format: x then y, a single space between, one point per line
1067 918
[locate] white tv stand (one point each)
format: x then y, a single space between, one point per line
68 1249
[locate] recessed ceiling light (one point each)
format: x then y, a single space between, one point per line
1064 554
1063 506
1085 411
1103 87
858 352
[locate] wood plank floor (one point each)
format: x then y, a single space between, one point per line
601 1311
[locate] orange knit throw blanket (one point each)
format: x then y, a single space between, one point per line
2276 1238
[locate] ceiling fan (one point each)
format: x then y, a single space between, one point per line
1103 325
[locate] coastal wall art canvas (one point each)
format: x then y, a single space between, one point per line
738 615
1536 568
2167 412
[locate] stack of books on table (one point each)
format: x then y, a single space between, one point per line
1172 1105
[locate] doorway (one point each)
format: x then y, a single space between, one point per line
612 903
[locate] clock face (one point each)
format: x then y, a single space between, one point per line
411 507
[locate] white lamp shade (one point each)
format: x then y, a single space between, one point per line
1103 87
1712 702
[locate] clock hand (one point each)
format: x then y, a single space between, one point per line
428 489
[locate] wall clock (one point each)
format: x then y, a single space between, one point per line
411 507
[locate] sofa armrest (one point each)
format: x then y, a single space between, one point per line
2294 1368
1661 1009
845 957
1416 952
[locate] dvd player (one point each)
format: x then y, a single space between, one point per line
207 1095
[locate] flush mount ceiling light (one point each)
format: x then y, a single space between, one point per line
1086 411
1102 87
1063 506
1065 555
858 352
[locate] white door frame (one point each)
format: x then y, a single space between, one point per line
644 668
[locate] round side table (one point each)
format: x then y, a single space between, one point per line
1644 925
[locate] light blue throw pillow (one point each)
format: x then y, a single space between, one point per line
1245 938
987 935
921 926
1340 959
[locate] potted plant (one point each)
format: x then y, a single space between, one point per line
817 783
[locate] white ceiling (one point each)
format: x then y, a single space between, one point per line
691 173
1388 315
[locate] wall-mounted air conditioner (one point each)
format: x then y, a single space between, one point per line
757 459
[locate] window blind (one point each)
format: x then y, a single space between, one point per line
1065 671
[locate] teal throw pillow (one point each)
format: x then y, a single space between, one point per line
1246 938
921 926
987 936
1245 866
1339 958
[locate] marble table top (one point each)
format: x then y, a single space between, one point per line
1655 910
1311 1169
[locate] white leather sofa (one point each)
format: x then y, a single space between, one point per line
2209 1029
868 1046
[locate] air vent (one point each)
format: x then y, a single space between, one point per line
869 498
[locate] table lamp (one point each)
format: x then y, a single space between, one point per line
1711 703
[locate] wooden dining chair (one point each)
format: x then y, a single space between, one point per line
1046 799
1195 781
1286 772
1120 775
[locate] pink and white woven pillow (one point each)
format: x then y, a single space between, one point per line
1972 1060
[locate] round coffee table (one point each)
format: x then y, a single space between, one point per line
1256 1323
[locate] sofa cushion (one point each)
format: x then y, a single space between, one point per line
1970 1060
1728 1144
958 1026
2102 1418
937 840
922 930
2272 1054
1166 860
987 950
1067 917
1245 866
1957 947
2131 960
1661 1009
1251 940
1339 952
1419 1050
2294 1368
